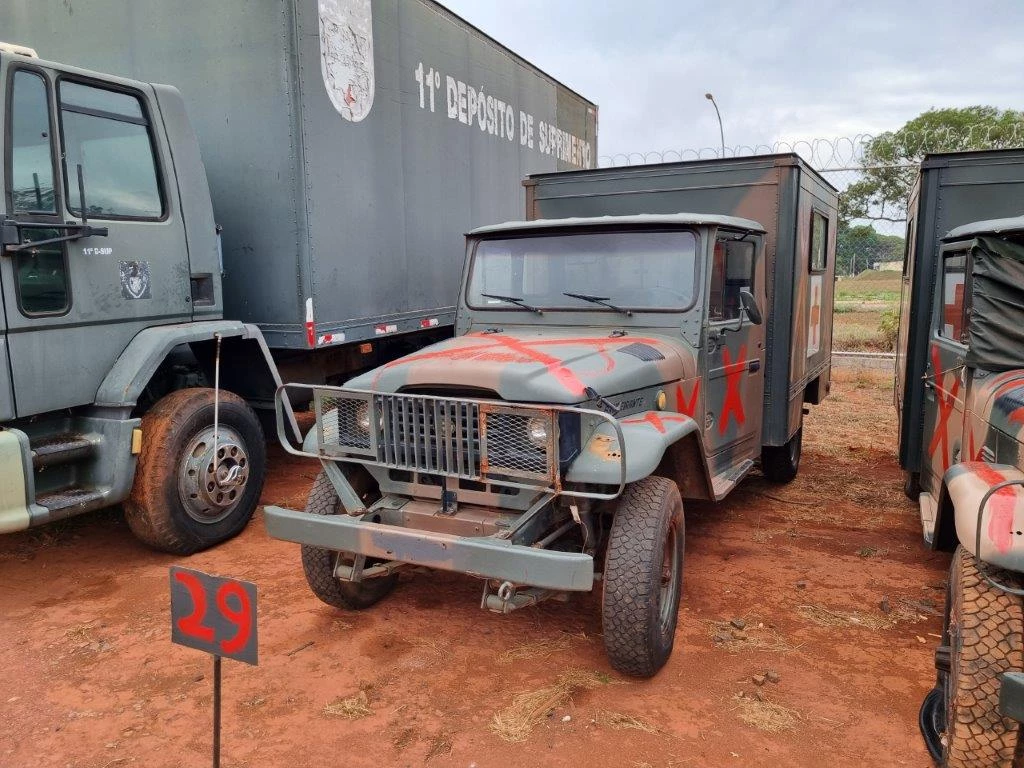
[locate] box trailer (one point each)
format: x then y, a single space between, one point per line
343 147
798 209
348 144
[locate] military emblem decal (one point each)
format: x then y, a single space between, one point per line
346 56
135 280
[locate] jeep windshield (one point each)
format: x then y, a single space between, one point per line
640 271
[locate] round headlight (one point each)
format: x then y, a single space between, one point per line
537 432
363 417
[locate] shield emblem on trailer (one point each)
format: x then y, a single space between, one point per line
346 56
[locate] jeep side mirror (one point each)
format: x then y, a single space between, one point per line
750 306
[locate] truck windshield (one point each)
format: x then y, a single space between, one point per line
628 270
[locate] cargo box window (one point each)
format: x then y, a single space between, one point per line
107 133
955 309
732 270
31 183
819 241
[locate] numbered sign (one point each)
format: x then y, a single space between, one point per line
213 614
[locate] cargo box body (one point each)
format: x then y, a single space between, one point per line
349 144
952 189
783 194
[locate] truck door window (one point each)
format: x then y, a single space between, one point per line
955 306
31 183
41 283
732 269
107 133
819 241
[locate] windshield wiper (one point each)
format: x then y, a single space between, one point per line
518 301
602 300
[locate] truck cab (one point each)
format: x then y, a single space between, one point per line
603 370
112 314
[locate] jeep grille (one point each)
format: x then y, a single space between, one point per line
469 439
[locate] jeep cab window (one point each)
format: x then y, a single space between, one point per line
609 271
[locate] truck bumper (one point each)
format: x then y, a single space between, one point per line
486 557
1011 696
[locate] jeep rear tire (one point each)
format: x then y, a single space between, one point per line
318 564
986 637
643 577
184 498
780 463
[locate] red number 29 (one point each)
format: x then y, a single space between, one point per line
240 617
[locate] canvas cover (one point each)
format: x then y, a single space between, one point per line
996 330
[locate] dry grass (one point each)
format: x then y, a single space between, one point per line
537 649
824 617
530 708
441 744
766 715
351 708
754 636
859 331
623 721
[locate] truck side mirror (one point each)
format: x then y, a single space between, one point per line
750 306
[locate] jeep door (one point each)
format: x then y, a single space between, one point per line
945 374
734 354
72 305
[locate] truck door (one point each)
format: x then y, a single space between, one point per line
945 374
735 351
73 303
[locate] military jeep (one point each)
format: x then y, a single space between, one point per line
603 369
971 491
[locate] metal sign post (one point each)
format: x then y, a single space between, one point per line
218 616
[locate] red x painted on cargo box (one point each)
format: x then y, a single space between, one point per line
945 402
733 403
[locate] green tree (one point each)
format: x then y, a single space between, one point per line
859 247
890 159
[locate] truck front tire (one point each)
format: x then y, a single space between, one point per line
986 638
318 564
643 577
194 488
780 463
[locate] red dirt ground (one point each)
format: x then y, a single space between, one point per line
90 679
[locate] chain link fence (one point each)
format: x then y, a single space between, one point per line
872 225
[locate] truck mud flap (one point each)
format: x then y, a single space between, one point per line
483 557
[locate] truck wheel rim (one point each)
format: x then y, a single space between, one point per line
669 580
210 490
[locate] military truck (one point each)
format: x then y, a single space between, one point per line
348 145
605 367
959 388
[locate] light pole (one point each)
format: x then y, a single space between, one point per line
721 133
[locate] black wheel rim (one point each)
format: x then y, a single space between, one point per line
671 567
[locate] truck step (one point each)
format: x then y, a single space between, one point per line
68 501
722 483
62 449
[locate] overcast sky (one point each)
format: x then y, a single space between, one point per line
778 70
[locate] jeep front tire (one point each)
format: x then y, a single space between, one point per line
643 577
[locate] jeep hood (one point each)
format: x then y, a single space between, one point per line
539 365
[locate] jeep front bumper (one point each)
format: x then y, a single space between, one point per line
486 557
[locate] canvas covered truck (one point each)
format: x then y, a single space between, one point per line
341 147
604 369
960 392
